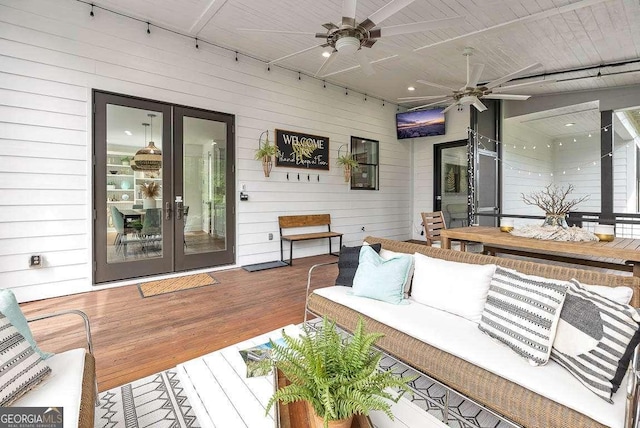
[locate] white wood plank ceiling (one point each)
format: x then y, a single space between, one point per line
506 35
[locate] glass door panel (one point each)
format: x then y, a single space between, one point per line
130 222
451 183
204 199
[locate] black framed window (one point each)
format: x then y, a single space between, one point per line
365 152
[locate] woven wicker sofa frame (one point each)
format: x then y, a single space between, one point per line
89 397
510 401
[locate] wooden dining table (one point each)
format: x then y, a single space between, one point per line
621 253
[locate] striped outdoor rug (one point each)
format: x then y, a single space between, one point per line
163 286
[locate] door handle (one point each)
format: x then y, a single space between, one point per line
179 210
167 211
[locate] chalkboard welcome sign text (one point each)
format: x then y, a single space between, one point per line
302 150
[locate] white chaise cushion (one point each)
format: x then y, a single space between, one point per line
458 288
462 338
63 388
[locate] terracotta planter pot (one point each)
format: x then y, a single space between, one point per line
342 423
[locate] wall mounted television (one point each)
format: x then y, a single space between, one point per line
420 123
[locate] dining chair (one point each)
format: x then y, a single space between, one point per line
118 223
434 223
151 228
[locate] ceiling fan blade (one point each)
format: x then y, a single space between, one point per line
436 85
426 97
349 12
507 97
258 30
513 75
430 104
450 107
519 85
478 105
391 8
366 66
330 26
294 54
327 62
474 75
355 67
418 27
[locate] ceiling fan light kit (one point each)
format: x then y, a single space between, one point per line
351 37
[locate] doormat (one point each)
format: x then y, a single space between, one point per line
163 286
264 266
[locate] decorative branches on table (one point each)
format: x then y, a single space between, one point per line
553 199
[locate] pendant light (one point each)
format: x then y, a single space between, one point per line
150 157
132 162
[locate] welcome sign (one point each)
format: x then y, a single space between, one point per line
302 150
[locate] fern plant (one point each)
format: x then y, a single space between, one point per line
338 380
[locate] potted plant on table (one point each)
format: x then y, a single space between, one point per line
150 190
337 380
553 200
267 153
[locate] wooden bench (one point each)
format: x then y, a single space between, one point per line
297 221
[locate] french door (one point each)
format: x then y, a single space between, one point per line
175 217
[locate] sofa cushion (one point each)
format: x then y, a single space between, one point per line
461 338
381 279
522 311
10 308
21 367
388 255
620 295
348 263
459 288
63 388
595 339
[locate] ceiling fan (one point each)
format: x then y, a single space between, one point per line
350 37
471 93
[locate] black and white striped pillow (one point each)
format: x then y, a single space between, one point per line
595 339
522 311
21 368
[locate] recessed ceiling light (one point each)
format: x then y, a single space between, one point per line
128 133
326 54
589 135
569 124
411 88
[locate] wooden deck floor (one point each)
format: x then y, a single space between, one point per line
134 337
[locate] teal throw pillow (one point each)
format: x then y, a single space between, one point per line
9 308
380 279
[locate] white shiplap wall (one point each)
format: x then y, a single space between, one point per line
52 54
586 181
457 123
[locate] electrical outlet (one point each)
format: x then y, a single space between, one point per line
271 237
35 260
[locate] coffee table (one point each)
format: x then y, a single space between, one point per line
222 396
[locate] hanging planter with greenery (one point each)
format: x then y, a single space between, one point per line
347 162
267 153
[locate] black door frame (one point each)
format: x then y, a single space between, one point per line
437 170
167 263
193 261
